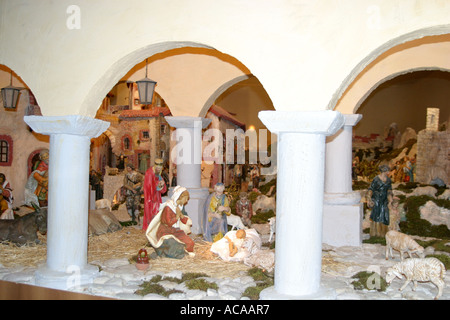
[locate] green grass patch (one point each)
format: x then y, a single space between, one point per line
415 225
262 217
200 284
263 280
369 281
152 286
376 240
437 244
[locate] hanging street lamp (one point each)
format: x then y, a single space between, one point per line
10 96
146 88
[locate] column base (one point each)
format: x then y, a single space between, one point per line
353 197
74 277
342 225
322 294
195 207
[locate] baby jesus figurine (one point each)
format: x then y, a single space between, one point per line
234 247
237 245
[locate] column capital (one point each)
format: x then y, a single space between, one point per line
187 122
325 122
71 124
352 119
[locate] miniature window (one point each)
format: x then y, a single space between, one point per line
126 143
144 135
163 129
5 150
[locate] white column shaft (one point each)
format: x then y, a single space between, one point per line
300 190
338 164
188 149
189 157
68 199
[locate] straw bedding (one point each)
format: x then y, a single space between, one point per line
127 242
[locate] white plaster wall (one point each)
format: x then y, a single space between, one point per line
305 53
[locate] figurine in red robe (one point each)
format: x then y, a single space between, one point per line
168 231
154 186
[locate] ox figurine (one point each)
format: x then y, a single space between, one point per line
24 230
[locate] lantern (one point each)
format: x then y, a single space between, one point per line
146 88
10 95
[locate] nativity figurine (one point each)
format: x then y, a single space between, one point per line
379 198
154 187
168 231
132 183
244 209
216 210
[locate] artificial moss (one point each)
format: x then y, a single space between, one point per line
407 187
360 185
263 280
192 282
253 292
151 286
192 275
376 240
262 217
128 223
369 281
437 244
259 275
415 225
266 187
200 284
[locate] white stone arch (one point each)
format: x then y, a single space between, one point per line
155 54
391 60
219 91
390 77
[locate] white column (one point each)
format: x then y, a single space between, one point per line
300 189
342 208
338 169
188 158
68 198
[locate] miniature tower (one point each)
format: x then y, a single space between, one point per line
432 119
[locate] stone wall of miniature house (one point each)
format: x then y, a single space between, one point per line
433 156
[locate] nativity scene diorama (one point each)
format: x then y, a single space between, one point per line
141 222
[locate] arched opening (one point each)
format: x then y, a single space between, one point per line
400 81
17 140
396 117
404 99
192 79
424 48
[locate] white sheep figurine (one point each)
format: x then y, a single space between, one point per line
103 204
417 269
402 243
235 222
